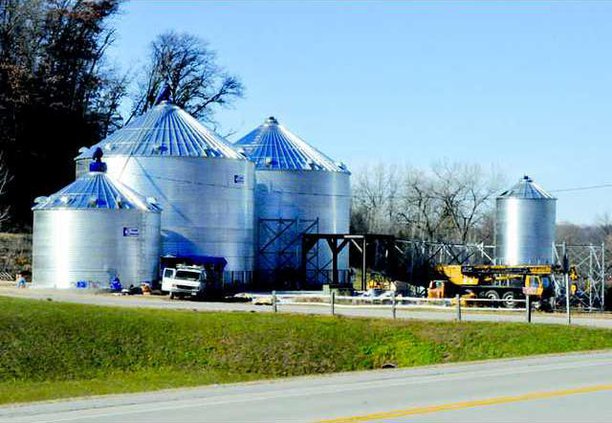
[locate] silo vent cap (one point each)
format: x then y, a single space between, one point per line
165 95
271 121
97 167
159 148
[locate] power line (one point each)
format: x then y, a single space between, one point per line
582 188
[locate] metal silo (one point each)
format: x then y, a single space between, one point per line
525 225
299 190
93 230
203 184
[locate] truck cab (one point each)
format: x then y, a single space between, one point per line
192 276
187 281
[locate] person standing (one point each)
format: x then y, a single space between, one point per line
21 280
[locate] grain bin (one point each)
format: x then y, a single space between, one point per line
93 230
525 225
203 184
299 189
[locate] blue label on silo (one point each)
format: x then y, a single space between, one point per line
239 179
130 231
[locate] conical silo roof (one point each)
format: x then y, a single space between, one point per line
272 146
96 190
165 130
527 189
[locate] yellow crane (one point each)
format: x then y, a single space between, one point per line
496 282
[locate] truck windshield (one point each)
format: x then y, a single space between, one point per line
187 275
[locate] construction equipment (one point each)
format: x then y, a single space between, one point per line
497 282
378 280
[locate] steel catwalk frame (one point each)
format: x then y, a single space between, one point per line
381 245
417 253
589 261
279 247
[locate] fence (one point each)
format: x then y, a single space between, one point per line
394 303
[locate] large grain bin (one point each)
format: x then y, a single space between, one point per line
203 184
300 186
93 230
525 225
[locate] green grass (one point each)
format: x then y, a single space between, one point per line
54 350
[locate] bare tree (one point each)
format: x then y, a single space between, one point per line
466 195
189 66
421 213
570 233
108 101
54 84
374 199
5 178
604 224
449 202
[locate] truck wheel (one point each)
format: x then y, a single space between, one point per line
172 296
509 299
491 295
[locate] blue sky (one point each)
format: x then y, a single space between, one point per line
525 87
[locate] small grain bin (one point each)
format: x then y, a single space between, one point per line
525 225
299 190
93 230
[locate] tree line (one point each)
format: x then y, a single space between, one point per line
448 202
59 91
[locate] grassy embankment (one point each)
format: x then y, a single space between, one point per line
52 350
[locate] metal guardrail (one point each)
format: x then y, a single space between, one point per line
6 276
392 303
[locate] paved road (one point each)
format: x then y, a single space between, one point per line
552 388
603 321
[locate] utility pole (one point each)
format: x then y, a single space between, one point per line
567 288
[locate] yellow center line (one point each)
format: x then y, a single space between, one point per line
469 404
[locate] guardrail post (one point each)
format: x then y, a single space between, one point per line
393 304
458 299
528 308
274 304
333 303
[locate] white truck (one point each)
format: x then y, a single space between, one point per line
187 281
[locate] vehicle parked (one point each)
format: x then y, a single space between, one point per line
189 281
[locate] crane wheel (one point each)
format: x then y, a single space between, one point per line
509 299
491 295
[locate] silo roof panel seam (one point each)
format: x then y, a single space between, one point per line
286 151
105 193
526 189
165 130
